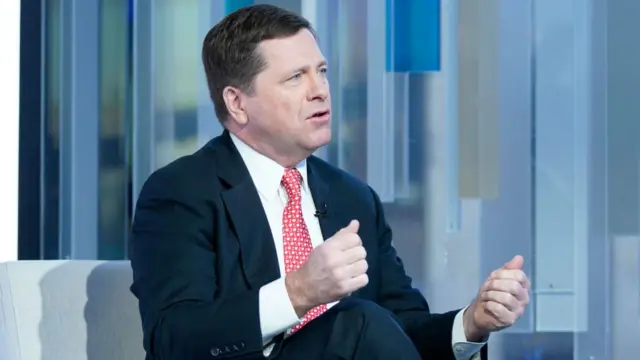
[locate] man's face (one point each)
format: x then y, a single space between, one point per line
290 108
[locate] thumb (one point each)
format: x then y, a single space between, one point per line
352 228
515 263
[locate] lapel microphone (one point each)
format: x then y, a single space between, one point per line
321 213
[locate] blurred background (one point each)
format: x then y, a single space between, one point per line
489 128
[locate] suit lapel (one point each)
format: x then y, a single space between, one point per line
248 219
323 199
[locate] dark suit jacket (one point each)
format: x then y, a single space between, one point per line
201 248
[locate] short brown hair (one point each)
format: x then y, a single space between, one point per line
229 51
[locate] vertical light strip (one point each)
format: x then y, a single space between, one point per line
317 16
79 129
478 99
399 119
450 73
582 120
166 15
210 13
380 131
9 126
143 137
337 60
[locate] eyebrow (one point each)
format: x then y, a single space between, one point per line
320 64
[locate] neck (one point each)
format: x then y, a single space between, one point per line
286 159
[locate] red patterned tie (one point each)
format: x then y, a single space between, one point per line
295 235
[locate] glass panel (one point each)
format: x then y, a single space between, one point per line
349 87
176 53
171 107
51 133
79 126
616 57
115 40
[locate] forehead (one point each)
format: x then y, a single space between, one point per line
292 52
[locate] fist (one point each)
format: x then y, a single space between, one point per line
334 269
500 302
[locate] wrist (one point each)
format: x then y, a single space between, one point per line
471 331
295 290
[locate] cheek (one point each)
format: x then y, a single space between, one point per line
288 109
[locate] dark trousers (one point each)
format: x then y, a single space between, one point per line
351 330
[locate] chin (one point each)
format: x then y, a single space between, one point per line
319 138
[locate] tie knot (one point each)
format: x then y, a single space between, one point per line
291 182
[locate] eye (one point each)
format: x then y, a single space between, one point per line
323 70
296 76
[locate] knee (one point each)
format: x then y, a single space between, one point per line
367 312
373 330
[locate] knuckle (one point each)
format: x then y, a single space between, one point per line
323 250
336 273
515 287
355 239
513 303
341 288
364 252
492 284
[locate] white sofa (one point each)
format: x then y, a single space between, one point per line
68 310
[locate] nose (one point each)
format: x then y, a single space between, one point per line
318 87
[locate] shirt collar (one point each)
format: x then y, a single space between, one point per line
266 173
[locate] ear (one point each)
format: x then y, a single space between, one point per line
233 98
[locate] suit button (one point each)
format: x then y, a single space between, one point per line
215 352
238 347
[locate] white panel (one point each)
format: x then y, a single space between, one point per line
562 119
625 297
451 257
9 127
507 220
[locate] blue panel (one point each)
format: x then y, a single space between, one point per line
414 28
233 5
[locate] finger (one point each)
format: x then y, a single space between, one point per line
355 283
526 283
352 228
517 275
505 299
515 263
499 312
344 241
510 286
358 268
354 254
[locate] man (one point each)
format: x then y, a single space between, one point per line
253 248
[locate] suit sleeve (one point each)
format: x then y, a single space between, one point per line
431 333
173 261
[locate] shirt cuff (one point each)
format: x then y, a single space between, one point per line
276 311
463 349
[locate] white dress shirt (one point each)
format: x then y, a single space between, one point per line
276 311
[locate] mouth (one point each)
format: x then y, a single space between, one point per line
320 115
